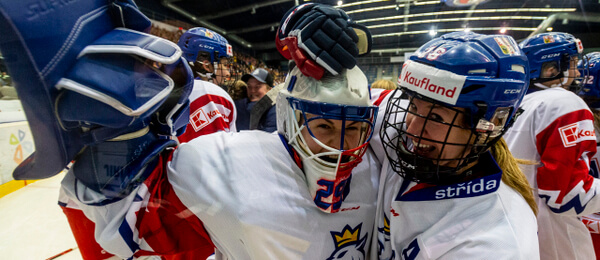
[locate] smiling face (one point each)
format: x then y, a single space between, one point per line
256 89
329 133
437 133
222 74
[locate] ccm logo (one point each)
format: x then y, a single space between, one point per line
512 91
577 132
548 56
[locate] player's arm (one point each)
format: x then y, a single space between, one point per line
150 220
565 147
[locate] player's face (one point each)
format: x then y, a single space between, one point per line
573 73
222 74
431 127
256 89
329 132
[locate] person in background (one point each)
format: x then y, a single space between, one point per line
238 90
259 82
450 187
384 84
590 93
209 55
556 131
211 108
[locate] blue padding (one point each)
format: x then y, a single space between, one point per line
115 168
42 43
111 90
126 14
123 40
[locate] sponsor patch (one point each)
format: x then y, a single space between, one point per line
199 120
577 132
548 39
505 45
428 81
207 114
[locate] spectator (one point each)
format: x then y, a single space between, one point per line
259 82
384 84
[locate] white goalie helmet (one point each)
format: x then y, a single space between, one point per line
328 123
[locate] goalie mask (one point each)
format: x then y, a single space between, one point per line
461 93
202 47
329 123
553 59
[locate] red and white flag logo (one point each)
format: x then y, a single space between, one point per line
577 132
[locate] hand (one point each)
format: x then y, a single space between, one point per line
326 35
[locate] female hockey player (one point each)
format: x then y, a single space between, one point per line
556 132
451 188
590 93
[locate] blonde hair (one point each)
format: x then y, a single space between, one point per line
596 114
384 84
512 174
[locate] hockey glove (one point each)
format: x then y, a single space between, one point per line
320 37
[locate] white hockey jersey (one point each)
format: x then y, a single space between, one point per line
211 110
478 219
556 132
251 198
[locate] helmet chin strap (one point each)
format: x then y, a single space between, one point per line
561 84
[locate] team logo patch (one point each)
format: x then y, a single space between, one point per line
384 247
505 45
548 39
348 243
428 81
577 132
209 34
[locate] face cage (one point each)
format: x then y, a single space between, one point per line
346 158
225 82
418 168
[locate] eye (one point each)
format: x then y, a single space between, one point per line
435 117
351 128
412 108
324 126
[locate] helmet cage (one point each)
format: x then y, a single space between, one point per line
345 113
414 165
590 91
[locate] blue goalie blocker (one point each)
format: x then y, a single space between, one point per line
94 86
